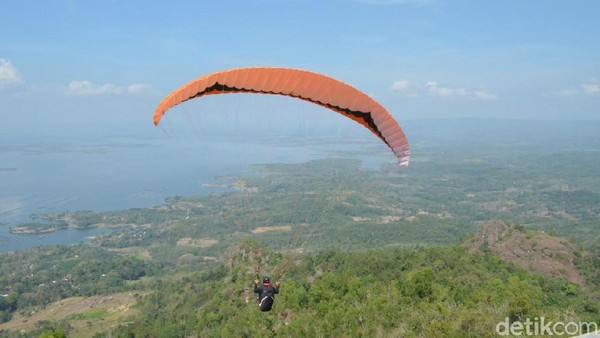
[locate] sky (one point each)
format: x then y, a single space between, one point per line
69 67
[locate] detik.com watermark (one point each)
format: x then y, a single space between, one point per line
539 326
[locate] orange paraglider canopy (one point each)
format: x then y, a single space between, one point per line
305 85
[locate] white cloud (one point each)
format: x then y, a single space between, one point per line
401 85
8 73
87 88
406 88
591 89
434 88
484 95
140 88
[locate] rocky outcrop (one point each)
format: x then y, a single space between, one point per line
534 251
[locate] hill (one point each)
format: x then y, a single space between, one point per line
401 292
393 292
533 251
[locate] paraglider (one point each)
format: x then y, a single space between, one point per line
301 84
266 293
305 85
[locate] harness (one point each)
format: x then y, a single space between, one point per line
266 303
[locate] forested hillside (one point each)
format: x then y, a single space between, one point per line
396 292
418 292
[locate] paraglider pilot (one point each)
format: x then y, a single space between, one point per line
266 293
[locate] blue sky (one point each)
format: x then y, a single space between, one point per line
73 65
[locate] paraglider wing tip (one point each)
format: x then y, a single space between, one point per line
156 119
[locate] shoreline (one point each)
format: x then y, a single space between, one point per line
25 230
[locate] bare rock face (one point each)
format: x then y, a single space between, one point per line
534 251
493 232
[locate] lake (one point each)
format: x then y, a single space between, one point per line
124 172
